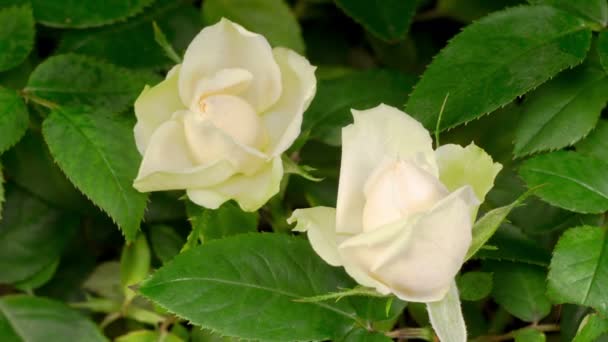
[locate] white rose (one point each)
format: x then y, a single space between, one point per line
404 212
218 124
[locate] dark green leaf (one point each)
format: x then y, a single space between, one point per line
1 191
165 242
562 111
224 221
602 49
245 286
16 35
82 14
132 43
569 180
474 285
520 289
511 244
271 18
330 109
469 10
13 118
78 80
496 59
163 42
592 327
38 279
134 262
98 154
578 272
387 19
32 236
596 143
529 335
594 10
34 319
364 335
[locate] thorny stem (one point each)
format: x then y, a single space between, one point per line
511 335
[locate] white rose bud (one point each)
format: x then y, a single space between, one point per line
218 124
404 212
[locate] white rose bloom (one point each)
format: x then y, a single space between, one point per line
404 212
218 124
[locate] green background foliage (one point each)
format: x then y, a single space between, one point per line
85 257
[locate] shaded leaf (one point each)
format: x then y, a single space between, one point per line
474 285
13 118
594 10
387 19
596 143
511 244
165 242
592 327
16 35
602 48
39 279
529 335
229 219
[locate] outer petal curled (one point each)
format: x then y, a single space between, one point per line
378 133
284 119
250 191
227 45
320 224
471 165
417 257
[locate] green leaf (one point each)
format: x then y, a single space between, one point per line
387 19
38 279
224 221
469 10
529 335
570 180
592 327
364 335
165 242
222 285
602 49
98 154
82 14
32 235
104 281
271 18
496 59
134 264
304 171
13 118
562 111
330 109
596 143
35 319
1 191
78 80
486 226
578 268
147 336
474 286
16 35
163 42
520 289
511 244
132 44
594 10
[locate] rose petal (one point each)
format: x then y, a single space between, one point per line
284 119
378 133
167 164
227 45
418 257
471 165
251 192
320 224
154 106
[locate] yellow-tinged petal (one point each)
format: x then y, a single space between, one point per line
284 119
377 134
320 225
250 191
227 45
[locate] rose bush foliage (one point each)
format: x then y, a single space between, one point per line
303 170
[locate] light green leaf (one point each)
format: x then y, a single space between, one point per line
271 18
82 14
594 10
562 111
98 154
446 317
578 269
520 289
474 285
570 180
131 44
34 319
304 171
224 221
496 59
602 49
104 281
32 236
204 335
13 118
147 336
330 109
1 191
134 264
165 242
222 285
16 35
78 80
387 19
529 335
592 327
596 143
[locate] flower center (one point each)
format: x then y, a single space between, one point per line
396 190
